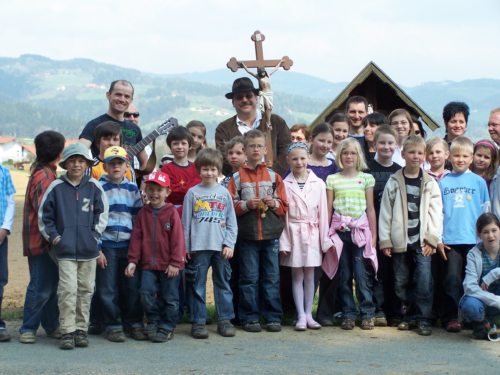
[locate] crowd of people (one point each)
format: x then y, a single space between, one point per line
390 228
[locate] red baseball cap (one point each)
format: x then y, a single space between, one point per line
159 178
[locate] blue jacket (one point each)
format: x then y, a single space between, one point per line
79 214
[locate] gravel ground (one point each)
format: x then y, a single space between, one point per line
329 350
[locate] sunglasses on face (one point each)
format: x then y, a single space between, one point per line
248 95
131 114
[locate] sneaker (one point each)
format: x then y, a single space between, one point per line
150 331
368 324
380 321
348 324
137 333
424 328
27 337
81 339
198 331
94 329
55 334
453 326
162 335
67 342
273 327
480 330
115 335
4 335
252 327
326 322
225 328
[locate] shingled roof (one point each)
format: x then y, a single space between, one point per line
381 92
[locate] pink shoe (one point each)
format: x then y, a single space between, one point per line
453 326
301 324
312 324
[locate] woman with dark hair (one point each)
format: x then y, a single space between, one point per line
455 116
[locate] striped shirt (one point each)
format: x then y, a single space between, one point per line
350 193
124 203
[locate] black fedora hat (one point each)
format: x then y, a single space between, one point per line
242 84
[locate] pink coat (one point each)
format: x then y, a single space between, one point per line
305 235
361 236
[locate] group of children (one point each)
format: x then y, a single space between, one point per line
403 235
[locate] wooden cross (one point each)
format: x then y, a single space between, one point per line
257 37
234 64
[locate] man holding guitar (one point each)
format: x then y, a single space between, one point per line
120 95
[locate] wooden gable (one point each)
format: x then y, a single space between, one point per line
382 93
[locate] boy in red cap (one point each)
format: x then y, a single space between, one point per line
157 247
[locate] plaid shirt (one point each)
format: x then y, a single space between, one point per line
33 242
7 191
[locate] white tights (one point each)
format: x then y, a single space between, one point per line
303 292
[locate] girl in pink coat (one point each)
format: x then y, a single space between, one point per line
305 235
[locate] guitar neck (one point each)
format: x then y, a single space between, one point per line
138 147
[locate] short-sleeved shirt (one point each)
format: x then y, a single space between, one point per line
130 131
381 175
350 193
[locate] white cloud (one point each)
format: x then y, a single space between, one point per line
412 41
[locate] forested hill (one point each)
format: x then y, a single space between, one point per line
38 93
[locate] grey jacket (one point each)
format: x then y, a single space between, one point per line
472 281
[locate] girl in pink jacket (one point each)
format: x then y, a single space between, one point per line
305 235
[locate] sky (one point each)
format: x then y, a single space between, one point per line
412 41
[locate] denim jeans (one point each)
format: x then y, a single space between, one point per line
196 282
259 285
413 283
40 305
474 310
160 298
386 301
453 277
352 264
4 275
117 294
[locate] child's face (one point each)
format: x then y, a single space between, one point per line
297 136
461 159
156 194
198 138
456 126
414 155
297 160
180 148
385 146
255 150
349 157
236 156
76 166
490 235
209 174
322 144
482 159
116 169
401 125
107 142
437 156
369 132
340 132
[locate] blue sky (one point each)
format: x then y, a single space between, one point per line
412 41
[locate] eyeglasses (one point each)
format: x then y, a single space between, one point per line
131 114
248 95
256 146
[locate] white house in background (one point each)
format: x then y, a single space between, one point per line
10 148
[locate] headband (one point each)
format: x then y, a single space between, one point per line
487 144
293 146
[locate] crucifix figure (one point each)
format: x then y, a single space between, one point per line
265 92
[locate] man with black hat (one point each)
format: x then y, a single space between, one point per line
244 99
